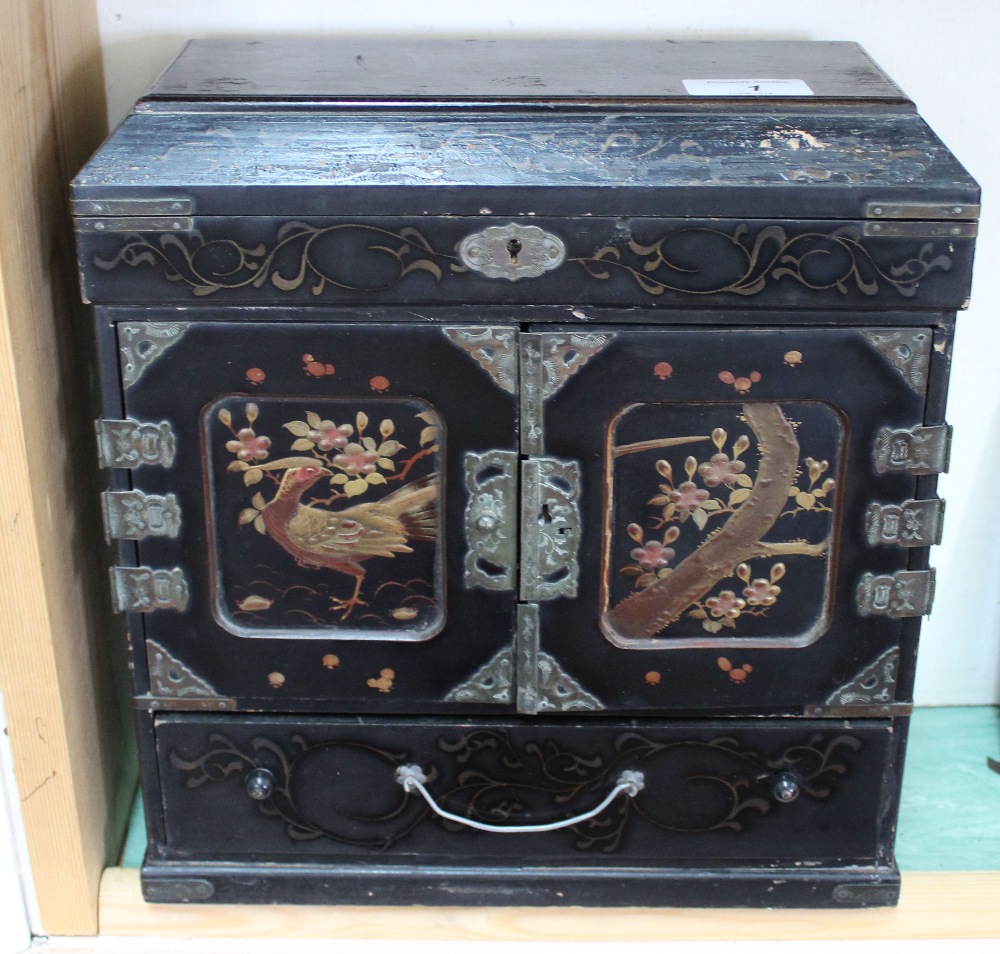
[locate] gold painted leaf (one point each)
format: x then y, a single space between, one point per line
698 613
671 534
258 501
375 478
362 420
354 487
700 518
744 480
428 435
635 532
805 500
339 479
298 428
258 525
666 571
631 570
664 469
237 466
386 464
647 579
743 572
710 506
726 621
252 412
669 510
719 437
658 501
738 496
386 428
225 417
252 477
302 444
690 467
741 444
429 417
388 448
711 625
368 443
314 419
248 516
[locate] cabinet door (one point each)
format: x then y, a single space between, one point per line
332 529
733 494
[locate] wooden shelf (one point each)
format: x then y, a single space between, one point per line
933 905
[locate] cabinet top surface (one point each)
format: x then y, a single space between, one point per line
525 72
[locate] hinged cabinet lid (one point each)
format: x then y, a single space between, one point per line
638 128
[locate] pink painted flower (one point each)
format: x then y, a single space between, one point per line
761 593
653 555
721 470
328 436
356 460
249 446
727 603
687 497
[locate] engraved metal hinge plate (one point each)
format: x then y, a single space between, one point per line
913 523
491 520
550 528
542 684
132 223
512 251
898 595
164 205
133 515
131 444
916 451
141 589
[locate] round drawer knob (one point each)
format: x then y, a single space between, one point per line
487 523
785 788
260 784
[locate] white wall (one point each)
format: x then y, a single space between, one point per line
943 54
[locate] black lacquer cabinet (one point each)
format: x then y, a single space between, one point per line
522 465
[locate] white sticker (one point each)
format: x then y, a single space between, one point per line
746 87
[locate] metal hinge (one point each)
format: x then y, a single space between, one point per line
161 205
131 444
173 223
133 515
141 589
922 210
916 451
491 520
913 523
897 595
550 528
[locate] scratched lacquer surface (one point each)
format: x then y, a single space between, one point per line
325 516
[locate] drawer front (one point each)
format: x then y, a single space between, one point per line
733 793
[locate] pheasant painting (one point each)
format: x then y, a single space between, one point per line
342 540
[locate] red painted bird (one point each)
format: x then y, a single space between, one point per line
342 539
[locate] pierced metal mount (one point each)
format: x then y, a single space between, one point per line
130 444
916 451
550 528
512 251
913 523
897 595
141 589
133 515
491 520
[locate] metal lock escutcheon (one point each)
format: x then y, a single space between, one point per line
512 251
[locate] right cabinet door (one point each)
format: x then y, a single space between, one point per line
745 513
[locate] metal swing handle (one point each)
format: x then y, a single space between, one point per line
412 778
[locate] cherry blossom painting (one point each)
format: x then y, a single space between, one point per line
721 521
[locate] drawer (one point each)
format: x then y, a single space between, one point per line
737 795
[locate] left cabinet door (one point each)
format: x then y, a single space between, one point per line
319 510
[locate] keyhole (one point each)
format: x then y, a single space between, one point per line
545 517
513 249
